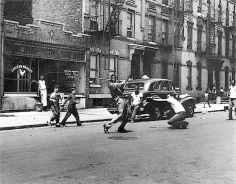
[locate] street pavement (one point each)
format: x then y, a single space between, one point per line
16 120
150 153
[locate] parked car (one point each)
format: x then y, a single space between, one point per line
153 89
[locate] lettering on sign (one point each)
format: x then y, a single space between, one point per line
71 73
22 69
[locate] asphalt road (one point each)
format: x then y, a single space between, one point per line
151 153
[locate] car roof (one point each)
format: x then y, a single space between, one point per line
147 80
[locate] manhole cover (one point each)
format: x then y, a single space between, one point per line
122 138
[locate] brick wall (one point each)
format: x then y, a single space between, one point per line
68 12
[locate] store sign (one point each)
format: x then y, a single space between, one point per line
43 51
22 69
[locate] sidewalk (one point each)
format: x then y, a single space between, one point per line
18 120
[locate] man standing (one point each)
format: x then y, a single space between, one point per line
121 103
115 87
55 108
137 98
123 115
43 92
71 108
232 99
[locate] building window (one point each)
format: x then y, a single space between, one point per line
227 45
165 2
130 24
19 11
233 48
227 15
233 73
112 66
94 69
199 40
226 77
164 70
200 6
190 37
164 32
176 78
219 44
151 29
189 75
199 76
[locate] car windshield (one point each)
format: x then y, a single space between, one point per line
132 85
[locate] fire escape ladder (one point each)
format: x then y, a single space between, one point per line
114 16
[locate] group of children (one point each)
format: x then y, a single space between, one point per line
55 98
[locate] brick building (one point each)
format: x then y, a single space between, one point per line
189 42
41 37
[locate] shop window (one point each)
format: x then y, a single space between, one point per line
189 75
94 69
199 76
190 37
226 77
21 75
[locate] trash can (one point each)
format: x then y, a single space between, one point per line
218 100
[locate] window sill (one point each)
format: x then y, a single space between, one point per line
18 94
95 85
199 88
189 88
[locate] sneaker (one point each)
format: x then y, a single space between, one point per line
80 124
105 128
122 130
49 123
58 125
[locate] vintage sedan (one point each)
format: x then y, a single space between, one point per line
154 89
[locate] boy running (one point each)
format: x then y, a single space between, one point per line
71 108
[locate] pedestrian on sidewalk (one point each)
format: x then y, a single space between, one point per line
232 99
71 109
206 98
43 92
55 108
137 98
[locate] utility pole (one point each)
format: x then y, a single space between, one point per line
1 52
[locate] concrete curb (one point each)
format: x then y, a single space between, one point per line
45 125
88 121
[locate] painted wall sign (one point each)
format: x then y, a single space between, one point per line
14 47
22 69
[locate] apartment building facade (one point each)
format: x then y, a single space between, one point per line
189 42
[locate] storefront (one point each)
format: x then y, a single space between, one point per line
26 60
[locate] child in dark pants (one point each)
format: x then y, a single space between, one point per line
71 108
55 108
